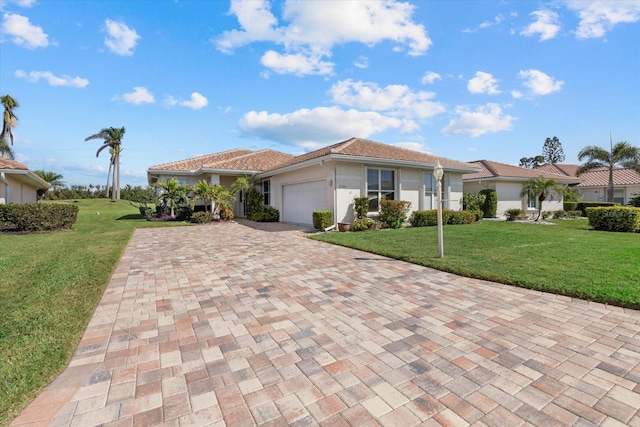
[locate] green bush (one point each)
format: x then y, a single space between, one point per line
490 205
201 218
515 214
361 206
393 213
473 202
574 214
635 200
322 219
461 217
267 214
615 218
6 213
559 214
429 218
570 206
44 216
546 214
582 206
362 224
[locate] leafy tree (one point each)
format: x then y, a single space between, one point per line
53 178
635 200
246 186
622 154
531 162
202 191
9 120
113 139
543 189
570 194
552 151
220 198
174 194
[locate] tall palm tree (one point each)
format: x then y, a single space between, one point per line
173 195
622 154
53 178
542 189
112 139
9 120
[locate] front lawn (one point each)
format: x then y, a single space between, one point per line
50 283
566 258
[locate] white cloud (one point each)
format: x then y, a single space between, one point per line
20 3
516 94
483 83
196 102
120 39
313 28
396 100
53 80
23 32
545 24
486 24
361 62
539 83
485 119
297 64
430 77
317 127
140 95
597 17
415 146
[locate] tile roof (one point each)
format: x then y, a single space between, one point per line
358 147
237 159
12 164
560 168
492 169
600 177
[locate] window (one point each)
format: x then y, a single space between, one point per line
430 191
380 183
266 193
532 200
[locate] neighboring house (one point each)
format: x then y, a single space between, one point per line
328 178
18 184
594 184
508 181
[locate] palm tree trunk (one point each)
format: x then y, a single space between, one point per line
610 189
117 178
109 179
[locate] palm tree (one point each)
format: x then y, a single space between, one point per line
542 189
202 191
220 198
9 120
174 194
53 178
112 139
622 154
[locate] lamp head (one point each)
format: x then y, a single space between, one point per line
438 172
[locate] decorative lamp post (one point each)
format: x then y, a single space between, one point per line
437 174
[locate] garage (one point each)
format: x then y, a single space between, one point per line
300 200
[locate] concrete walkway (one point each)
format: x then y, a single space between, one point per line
225 324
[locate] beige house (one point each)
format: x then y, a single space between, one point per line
508 181
328 178
18 184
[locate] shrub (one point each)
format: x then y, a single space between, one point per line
615 218
515 214
635 200
473 202
559 214
44 216
460 217
6 213
322 219
490 205
362 224
424 218
361 206
226 213
201 218
582 206
393 213
574 214
570 206
546 214
267 214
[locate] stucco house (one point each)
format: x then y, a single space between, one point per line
594 184
508 180
18 184
328 178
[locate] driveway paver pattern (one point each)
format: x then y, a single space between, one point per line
225 324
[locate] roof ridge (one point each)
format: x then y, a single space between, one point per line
199 157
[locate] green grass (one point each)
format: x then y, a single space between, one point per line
567 258
50 284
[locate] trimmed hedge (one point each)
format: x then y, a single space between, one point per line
322 219
429 218
6 213
44 216
393 213
582 206
615 218
490 205
268 214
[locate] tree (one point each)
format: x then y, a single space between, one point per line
202 191
552 151
112 139
542 189
174 194
622 154
246 186
9 120
220 198
53 178
531 162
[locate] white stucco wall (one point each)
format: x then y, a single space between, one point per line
311 173
17 192
600 194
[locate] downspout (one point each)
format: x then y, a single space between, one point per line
3 178
335 196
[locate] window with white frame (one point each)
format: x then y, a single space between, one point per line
431 193
266 192
532 200
380 183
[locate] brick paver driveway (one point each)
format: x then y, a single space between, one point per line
226 324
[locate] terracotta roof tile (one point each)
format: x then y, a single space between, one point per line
492 169
197 163
560 168
600 177
254 161
12 164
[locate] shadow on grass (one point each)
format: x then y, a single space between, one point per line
131 216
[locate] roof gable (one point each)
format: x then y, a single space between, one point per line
560 168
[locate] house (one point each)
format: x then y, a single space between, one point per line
328 178
508 180
594 184
18 184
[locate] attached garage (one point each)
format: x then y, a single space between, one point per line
300 200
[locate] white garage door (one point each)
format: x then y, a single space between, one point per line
300 200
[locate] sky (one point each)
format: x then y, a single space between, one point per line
465 80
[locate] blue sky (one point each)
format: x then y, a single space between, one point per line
466 80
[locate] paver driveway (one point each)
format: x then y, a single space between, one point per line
226 324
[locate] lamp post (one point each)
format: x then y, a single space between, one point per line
437 174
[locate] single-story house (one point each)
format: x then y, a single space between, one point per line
18 184
508 182
328 178
594 184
